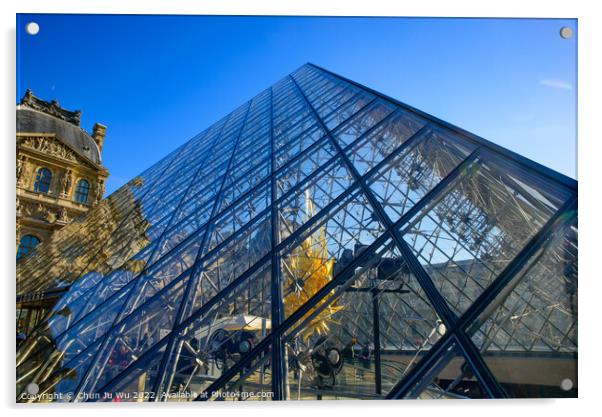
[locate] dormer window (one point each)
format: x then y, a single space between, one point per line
81 191
26 245
43 179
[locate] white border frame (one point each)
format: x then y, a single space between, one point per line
589 155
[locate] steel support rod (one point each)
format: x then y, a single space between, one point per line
377 358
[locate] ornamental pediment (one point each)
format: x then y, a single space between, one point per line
51 145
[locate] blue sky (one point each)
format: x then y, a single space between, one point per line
156 81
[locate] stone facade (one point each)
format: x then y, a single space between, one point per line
59 177
49 138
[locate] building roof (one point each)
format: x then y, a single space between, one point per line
38 116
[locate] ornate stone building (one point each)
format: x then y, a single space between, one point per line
60 175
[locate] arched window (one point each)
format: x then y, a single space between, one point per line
26 245
81 191
43 178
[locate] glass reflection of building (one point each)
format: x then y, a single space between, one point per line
322 241
59 178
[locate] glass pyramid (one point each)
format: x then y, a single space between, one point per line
322 241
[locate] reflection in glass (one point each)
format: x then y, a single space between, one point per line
528 335
450 378
371 329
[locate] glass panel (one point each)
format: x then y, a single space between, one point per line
451 377
228 263
200 203
289 111
347 109
253 383
176 266
217 339
465 239
312 197
238 216
308 262
104 241
191 228
249 179
304 166
292 148
291 116
136 383
528 335
77 305
61 385
363 121
49 356
332 351
325 102
383 140
298 121
406 178
91 327
136 334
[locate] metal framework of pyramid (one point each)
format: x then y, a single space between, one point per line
321 241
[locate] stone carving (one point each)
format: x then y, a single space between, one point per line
18 229
62 215
42 212
50 107
99 190
51 147
66 182
27 176
38 211
20 168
